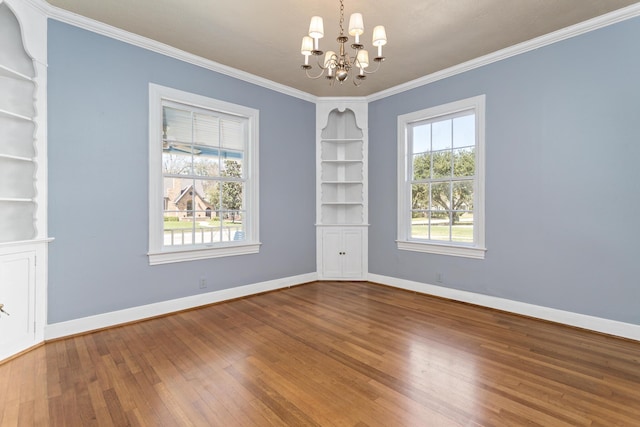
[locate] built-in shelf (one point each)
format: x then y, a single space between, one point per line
11 73
23 175
13 199
341 191
341 179
22 159
15 115
17 126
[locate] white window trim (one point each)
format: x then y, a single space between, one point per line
159 255
404 242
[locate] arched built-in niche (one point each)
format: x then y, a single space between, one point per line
17 128
341 170
342 219
23 175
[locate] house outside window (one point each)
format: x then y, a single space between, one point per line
441 179
203 175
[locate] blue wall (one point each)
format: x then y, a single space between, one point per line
98 178
562 177
562 135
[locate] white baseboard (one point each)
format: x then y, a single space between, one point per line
598 324
99 321
91 323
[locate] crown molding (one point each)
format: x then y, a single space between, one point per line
593 24
155 46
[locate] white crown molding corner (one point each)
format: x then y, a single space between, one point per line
583 321
155 46
593 24
100 321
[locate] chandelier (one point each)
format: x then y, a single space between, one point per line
337 66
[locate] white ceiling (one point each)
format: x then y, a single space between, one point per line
263 37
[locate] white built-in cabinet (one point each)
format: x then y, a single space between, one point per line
341 205
23 176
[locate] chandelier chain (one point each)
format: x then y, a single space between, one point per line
341 18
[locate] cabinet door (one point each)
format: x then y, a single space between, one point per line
342 253
352 254
332 253
17 287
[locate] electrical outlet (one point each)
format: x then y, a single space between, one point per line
203 283
439 277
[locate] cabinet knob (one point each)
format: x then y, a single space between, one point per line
2 309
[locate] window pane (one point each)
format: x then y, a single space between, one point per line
440 196
176 126
232 195
205 194
205 229
176 194
441 135
175 162
205 234
178 229
440 225
421 139
421 166
464 131
232 165
211 193
206 161
464 161
206 128
232 226
463 195
420 196
232 133
214 232
419 225
462 229
442 164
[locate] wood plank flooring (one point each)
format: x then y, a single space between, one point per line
328 354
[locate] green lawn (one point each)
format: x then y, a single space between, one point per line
176 225
460 232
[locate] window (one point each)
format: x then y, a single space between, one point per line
441 179
203 177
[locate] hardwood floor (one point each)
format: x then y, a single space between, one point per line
328 354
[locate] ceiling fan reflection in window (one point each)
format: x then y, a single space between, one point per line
172 146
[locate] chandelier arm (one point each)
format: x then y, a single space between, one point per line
321 65
315 77
377 68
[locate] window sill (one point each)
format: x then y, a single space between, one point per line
194 254
443 249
